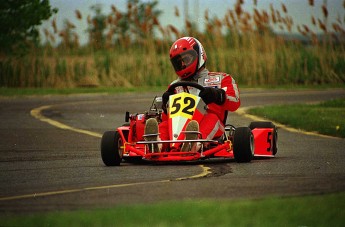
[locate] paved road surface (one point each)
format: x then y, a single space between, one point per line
47 168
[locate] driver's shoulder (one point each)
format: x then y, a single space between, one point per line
217 74
214 78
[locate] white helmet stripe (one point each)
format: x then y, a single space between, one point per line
201 54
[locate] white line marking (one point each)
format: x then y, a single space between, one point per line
37 113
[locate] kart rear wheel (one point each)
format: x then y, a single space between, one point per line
111 151
243 146
261 124
267 124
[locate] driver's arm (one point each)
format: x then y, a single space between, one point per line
232 101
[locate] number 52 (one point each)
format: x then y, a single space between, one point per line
182 105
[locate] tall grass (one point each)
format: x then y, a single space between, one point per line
241 43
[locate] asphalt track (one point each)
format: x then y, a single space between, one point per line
50 159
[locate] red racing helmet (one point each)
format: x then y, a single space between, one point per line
187 56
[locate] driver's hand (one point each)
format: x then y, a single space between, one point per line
165 99
213 95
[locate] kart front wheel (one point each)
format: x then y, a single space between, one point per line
111 151
243 146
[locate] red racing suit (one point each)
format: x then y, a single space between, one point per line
212 124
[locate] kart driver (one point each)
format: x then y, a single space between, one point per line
221 94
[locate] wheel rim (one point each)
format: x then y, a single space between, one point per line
120 146
252 143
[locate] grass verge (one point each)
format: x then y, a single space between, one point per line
320 210
10 91
326 118
67 91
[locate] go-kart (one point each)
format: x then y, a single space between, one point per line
241 144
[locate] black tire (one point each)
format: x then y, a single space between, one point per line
243 146
110 148
261 124
267 124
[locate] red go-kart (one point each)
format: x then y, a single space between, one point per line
242 143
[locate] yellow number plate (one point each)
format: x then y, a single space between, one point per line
183 104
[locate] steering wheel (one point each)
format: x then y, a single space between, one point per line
185 84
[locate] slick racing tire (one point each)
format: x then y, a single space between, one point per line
111 151
243 144
267 124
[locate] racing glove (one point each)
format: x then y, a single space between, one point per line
213 95
165 99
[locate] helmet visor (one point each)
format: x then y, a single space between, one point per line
183 60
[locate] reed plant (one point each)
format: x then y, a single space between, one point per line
124 50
